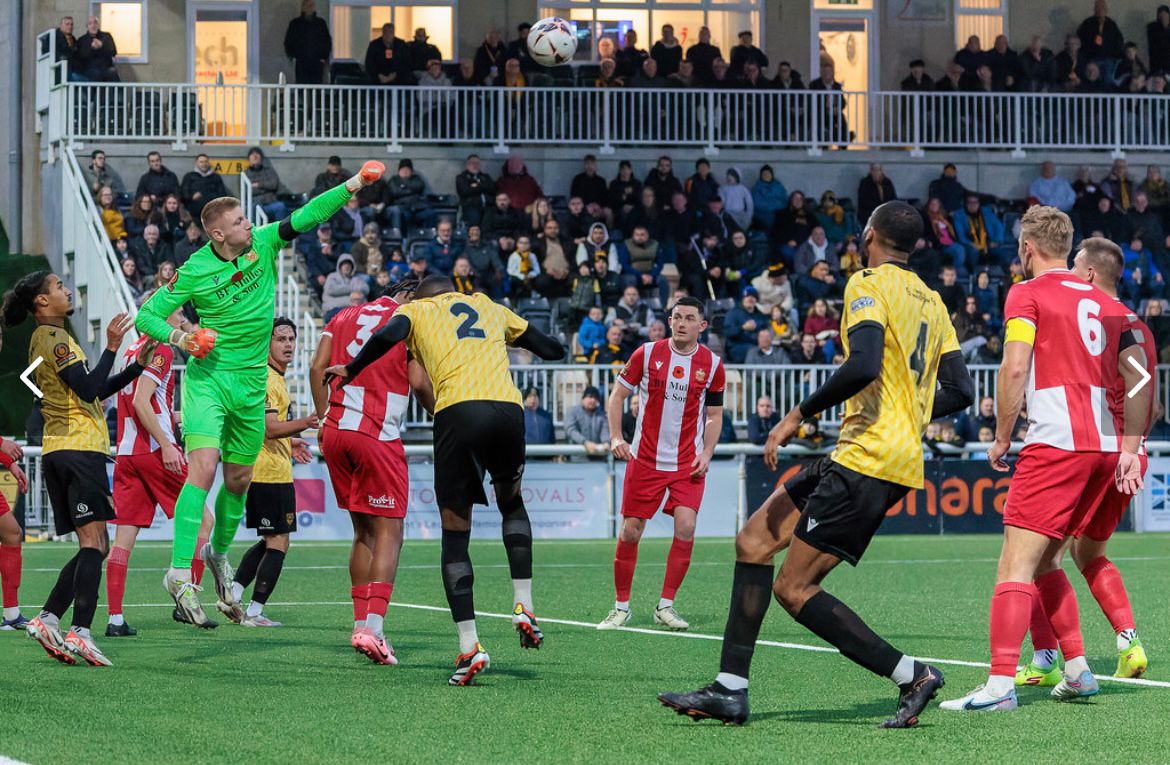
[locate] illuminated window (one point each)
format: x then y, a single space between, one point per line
985 18
596 19
125 21
843 5
354 23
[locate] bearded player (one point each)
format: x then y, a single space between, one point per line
362 446
231 281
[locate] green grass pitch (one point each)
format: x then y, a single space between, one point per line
300 694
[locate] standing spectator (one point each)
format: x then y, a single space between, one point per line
65 47
982 234
523 269
157 181
94 56
522 189
112 220
406 199
308 43
737 200
386 59
1037 67
701 187
624 193
339 286
334 176
765 352
630 57
1158 39
947 187
1070 65
1101 40
742 324
502 218
201 185
187 247
815 249
149 251
587 425
518 48
663 181
746 53
918 81
667 52
641 260
1004 64
971 56
489 58
99 174
265 185
768 198
787 78
875 189
591 187
475 189
703 55
1052 190
1118 186
419 52
166 272
761 422
538 421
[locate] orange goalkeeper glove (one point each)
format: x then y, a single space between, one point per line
371 172
198 343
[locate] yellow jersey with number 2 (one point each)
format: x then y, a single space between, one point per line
881 434
462 341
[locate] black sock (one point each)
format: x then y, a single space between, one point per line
267 574
87 581
517 530
833 621
250 564
751 592
61 596
458 576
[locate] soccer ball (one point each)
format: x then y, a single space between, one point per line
552 42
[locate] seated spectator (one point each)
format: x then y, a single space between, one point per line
663 181
948 189
630 419
768 198
630 57
442 251
701 187
1104 220
597 246
970 329
334 176
502 219
646 212
1143 222
339 285
727 434
809 436
793 225
112 220
462 277
968 425
624 192
265 185
1140 266
578 221
774 288
787 78
783 325
348 224
1118 186
739 260
132 278
382 284
951 81
873 190
991 353
918 81
608 285
149 251
320 253
186 247
761 422
1159 324
701 267
201 185
1037 67
1157 190
387 62
538 421
741 326
987 298
418 266
172 219
634 312
1052 190
540 214
368 244
591 333
1093 82
142 213
822 321
850 262
647 76
737 199
766 351
677 224
166 272
1004 64
939 232
406 204
489 58
613 352
815 249
522 269
831 217
485 263
93 57
716 220
952 293
372 203
818 283
982 234
657 332
98 173
555 280
808 352
591 187
521 188
475 190
971 56
587 425
684 77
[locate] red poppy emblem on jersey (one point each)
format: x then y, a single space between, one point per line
677 373
237 276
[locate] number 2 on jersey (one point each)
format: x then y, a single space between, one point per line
918 357
467 328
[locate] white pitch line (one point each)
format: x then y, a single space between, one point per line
664 633
9 761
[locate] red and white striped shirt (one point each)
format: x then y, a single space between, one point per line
377 407
133 438
672 390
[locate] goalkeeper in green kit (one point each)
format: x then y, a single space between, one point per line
232 283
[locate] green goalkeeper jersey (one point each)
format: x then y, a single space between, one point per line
235 298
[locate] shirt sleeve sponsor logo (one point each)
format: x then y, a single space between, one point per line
861 302
63 353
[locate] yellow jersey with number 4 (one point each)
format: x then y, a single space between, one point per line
462 341
881 434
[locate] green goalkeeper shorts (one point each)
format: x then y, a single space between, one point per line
224 410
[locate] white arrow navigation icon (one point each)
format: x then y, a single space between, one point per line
37 391
1145 377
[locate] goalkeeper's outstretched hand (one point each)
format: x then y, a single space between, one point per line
198 343
371 172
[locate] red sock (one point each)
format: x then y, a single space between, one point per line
1107 587
1011 607
380 597
1043 638
361 601
116 578
197 562
1060 603
624 561
10 574
678 560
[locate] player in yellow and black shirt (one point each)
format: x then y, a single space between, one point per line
76 450
271 505
899 343
462 342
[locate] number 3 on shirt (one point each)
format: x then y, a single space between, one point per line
467 328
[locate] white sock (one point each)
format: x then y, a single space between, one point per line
1074 667
81 632
1044 658
732 682
622 605
522 592
374 624
467 635
11 613
1124 638
904 672
999 685
117 620
50 620
359 624
237 591
180 574
665 603
255 609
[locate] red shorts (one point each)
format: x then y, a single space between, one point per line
644 488
368 476
1055 492
1101 524
140 483
4 508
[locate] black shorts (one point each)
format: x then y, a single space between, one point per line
271 508
471 438
79 489
841 509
